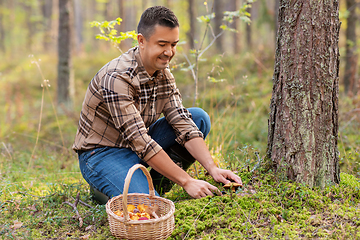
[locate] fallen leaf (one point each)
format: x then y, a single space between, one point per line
88 228
17 224
32 207
85 236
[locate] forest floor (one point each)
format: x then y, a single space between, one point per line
43 195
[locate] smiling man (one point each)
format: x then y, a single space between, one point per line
119 123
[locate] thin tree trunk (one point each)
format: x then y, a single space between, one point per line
351 50
236 38
248 32
303 121
218 9
145 4
29 25
47 6
191 32
64 53
78 20
2 29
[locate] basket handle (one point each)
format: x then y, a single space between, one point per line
127 183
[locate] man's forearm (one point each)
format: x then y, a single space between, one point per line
198 149
163 164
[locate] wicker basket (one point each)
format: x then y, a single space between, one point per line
124 228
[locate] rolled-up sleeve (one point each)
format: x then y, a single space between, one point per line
180 118
118 95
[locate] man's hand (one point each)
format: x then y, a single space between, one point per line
224 176
199 189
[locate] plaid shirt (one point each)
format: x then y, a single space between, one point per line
123 100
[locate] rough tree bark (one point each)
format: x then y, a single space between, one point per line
303 121
351 50
276 23
64 53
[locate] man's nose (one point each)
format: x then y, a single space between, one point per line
169 52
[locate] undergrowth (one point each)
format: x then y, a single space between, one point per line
265 208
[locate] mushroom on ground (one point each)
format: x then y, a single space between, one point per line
233 186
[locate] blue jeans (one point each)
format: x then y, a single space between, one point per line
105 168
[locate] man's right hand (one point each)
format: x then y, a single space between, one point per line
199 189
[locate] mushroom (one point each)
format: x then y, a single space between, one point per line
152 210
233 186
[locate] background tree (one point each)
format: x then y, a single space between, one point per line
218 7
64 53
248 28
2 27
303 122
78 26
191 33
46 7
351 58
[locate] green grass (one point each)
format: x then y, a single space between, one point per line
39 171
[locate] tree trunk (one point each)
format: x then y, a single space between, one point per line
78 20
47 22
218 9
303 121
276 23
351 49
145 4
64 53
236 35
2 29
191 33
29 25
248 31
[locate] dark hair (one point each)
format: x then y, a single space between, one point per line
156 15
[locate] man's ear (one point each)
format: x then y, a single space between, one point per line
141 40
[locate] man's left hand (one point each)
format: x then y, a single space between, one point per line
224 176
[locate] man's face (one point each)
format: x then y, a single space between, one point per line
159 49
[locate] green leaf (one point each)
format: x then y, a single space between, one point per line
206 18
214 80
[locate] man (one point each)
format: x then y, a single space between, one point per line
119 125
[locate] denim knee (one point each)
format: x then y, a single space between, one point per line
201 119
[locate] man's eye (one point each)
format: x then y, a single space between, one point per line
162 45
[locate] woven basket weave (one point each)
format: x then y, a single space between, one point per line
124 228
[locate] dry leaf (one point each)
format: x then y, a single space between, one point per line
85 236
88 228
16 225
32 207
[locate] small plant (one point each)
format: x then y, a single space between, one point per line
109 33
229 17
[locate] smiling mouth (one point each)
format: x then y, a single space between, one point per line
164 59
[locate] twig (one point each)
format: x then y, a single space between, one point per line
251 224
39 125
25 193
7 150
196 219
74 206
83 203
258 163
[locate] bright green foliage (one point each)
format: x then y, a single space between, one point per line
108 33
